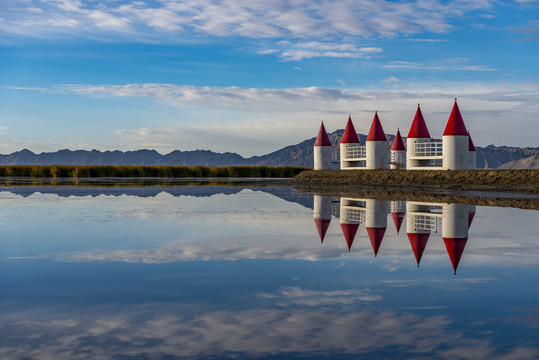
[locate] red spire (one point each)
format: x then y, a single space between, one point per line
398 144
322 139
418 128
471 146
350 135
376 235
455 248
376 133
349 231
418 243
455 124
322 227
398 217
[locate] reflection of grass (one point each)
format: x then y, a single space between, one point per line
101 171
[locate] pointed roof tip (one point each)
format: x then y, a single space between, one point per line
419 127
455 248
376 132
322 139
376 236
350 134
398 144
455 123
418 242
322 227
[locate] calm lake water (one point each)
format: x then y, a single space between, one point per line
220 272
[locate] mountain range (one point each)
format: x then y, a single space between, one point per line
301 154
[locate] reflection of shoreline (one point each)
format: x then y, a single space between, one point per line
481 198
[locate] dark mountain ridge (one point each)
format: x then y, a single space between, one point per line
293 155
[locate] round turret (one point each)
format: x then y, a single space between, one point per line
397 153
376 147
455 142
322 151
418 134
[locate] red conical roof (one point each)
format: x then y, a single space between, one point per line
350 135
376 133
322 139
376 235
471 146
322 227
455 248
455 124
349 231
398 217
418 243
398 144
418 128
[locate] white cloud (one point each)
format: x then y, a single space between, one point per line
263 19
390 79
254 121
161 330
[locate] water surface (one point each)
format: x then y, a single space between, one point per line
218 272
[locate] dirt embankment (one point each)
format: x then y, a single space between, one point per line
526 181
471 197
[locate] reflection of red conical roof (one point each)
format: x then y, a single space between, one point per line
322 227
471 146
418 128
470 218
398 144
376 133
350 135
455 248
322 139
418 243
455 124
349 231
376 235
398 217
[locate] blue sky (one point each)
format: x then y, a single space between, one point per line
254 76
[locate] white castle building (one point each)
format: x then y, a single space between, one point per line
456 151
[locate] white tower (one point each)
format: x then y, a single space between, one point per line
322 151
418 134
376 222
322 214
398 153
349 137
455 218
376 145
455 142
472 154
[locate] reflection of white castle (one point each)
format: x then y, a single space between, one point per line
456 151
453 220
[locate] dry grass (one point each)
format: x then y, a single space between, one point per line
492 180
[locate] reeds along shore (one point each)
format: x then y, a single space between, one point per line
97 171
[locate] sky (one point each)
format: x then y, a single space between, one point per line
254 76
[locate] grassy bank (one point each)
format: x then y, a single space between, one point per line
100 171
492 180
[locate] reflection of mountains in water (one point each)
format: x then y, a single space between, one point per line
284 192
452 220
